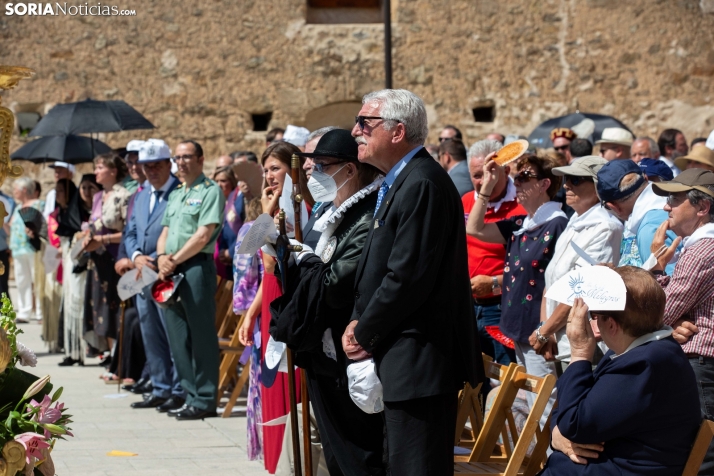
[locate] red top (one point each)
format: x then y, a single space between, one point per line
488 258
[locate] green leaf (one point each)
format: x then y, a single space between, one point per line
57 394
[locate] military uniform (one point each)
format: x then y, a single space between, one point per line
190 322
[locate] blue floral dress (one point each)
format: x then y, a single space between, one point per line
527 256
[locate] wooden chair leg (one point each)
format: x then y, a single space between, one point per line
242 380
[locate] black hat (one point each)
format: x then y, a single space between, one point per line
338 144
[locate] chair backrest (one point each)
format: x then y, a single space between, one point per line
500 418
224 301
699 450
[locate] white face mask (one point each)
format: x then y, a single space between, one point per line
323 187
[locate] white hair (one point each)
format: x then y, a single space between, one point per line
400 105
654 148
482 148
320 132
25 183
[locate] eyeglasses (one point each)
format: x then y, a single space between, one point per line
561 148
319 167
525 176
442 139
575 180
360 120
674 201
185 158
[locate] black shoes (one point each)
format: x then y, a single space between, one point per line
139 383
140 389
173 403
173 413
152 402
193 413
69 361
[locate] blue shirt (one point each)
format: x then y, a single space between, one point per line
399 166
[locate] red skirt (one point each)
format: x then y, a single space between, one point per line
276 400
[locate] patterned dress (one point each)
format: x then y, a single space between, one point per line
101 311
247 275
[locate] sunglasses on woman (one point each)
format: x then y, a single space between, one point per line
525 176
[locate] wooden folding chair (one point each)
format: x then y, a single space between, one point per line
227 372
470 409
699 450
224 301
482 461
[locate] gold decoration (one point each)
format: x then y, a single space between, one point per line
5 350
9 77
13 459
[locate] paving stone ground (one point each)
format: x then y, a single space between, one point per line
164 446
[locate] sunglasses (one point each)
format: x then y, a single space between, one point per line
561 148
576 180
674 201
360 120
523 177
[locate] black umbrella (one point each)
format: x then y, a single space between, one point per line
71 149
540 137
90 116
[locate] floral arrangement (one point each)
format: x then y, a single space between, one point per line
33 419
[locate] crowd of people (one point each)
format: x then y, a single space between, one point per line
417 256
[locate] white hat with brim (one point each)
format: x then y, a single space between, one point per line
134 145
616 135
63 165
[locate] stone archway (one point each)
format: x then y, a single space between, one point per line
340 114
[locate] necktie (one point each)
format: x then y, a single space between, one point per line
157 197
383 189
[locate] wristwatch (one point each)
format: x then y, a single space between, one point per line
541 338
494 283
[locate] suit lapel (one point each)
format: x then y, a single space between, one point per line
386 203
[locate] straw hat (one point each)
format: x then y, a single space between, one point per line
616 135
703 155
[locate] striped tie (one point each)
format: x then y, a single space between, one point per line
380 195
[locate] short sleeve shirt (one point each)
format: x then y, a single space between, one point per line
527 257
198 204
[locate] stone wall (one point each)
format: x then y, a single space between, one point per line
200 69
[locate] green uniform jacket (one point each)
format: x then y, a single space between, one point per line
199 204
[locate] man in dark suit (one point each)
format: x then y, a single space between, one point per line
413 310
142 235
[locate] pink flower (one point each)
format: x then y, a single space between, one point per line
45 413
33 443
529 297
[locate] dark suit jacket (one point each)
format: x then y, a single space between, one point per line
144 228
644 405
413 294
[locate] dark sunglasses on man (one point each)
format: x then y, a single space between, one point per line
360 120
576 180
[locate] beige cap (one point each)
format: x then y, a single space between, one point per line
587 166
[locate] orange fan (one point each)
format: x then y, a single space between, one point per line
511 152
495 332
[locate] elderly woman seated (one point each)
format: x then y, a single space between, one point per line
638 412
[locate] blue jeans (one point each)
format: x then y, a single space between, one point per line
491 316
163 375
704 371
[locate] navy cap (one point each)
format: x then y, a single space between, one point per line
656 167
610 176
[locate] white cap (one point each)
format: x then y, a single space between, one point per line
154 150
616 135
63 165
710 141
296 135
365 388
134 145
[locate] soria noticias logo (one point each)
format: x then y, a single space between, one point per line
64 9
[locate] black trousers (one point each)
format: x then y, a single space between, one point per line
5 277
351 439
704 371
420 435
